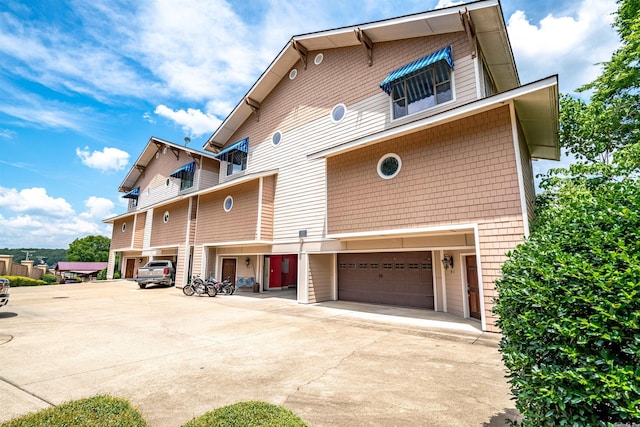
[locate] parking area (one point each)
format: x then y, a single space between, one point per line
176 357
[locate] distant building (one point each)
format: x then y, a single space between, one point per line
76 269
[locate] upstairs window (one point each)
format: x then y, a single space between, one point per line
420 85
185 174
235 156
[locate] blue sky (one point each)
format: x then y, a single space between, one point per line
85 84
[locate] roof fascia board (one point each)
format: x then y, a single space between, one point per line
457 113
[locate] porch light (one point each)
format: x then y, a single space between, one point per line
447 261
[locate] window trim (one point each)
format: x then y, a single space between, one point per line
435 106
385 157
165 217
224 203
335 107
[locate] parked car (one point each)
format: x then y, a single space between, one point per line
155 272
4 291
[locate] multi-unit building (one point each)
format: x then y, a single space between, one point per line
388 162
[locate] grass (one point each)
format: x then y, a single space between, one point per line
107 411
98 411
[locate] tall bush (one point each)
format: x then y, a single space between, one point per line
569 307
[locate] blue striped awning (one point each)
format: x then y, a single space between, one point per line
183 170
133 194
417 65
242 145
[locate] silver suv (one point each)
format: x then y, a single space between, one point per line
4 291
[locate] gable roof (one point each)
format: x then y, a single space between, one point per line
148 153
488 23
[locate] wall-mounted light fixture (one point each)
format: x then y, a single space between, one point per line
447 261
139 260
247 261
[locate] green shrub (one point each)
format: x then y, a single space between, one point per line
102 275
246 414
116 274
569 307
98 411
17 281
49 279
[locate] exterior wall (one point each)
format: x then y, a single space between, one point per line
320 277
173 232
122 239
314 92
209 173
138 234
266 215
527 174
460 172
453 279
240 224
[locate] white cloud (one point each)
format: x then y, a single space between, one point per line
108 159
446 3
7 134
570 46
98 208
193 121
34 201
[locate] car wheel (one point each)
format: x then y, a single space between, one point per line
142 285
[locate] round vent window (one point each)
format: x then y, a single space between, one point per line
338 113
293 74
165 217
228 203
124 227
389 166
276 138
318 59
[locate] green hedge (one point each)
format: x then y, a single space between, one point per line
98 411
50 279
17 281
569 307
247 414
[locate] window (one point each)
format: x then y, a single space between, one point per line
236 162
420 91
124 227
165 217
389 166
338 113
276 137
318 59
185 174
228 204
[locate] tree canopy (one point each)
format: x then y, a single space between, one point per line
88 249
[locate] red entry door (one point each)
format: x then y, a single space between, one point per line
275 272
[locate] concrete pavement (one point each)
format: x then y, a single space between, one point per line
176 357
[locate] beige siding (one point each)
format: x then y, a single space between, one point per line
266 219
122 239
240 224
527 174
320 277
173 232
460 172
496 238
454 277
209 173
138 237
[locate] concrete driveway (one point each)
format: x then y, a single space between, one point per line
176 357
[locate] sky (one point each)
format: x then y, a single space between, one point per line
84 85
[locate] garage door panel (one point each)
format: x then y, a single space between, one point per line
403 278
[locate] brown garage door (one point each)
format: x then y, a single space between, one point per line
395 278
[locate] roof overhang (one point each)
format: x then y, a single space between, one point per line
489 26
536 105
148 153
225 185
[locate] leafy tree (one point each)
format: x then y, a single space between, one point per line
90 248
569 297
